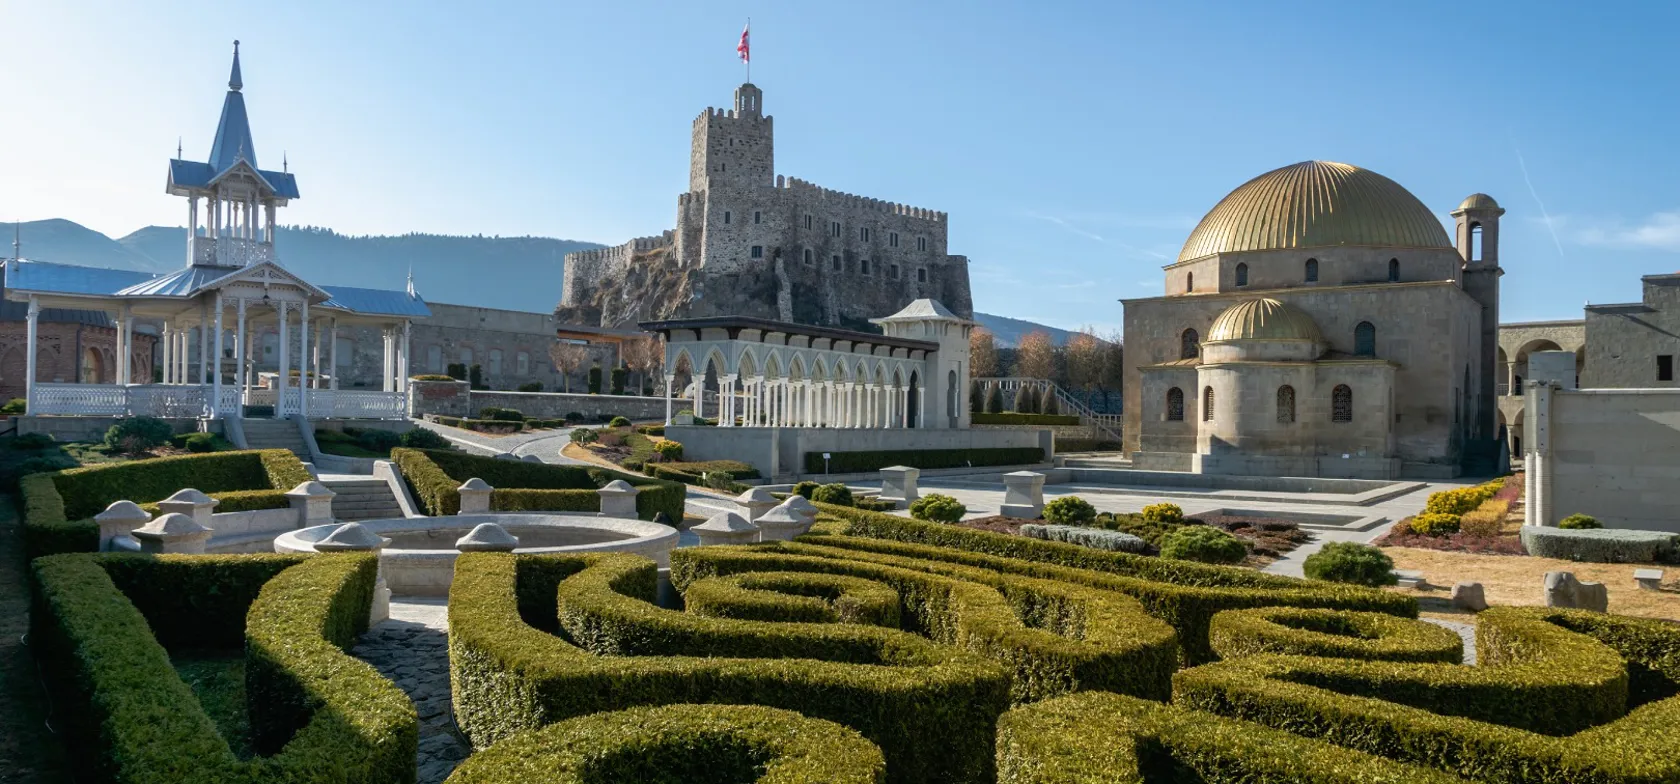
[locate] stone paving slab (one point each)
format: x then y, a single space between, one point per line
411 648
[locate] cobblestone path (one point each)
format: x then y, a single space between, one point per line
412 649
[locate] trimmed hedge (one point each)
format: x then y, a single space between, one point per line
1047 420
120 705
794 597
694 744
1635 743
433 477
1185 594
1098 738
863 462
1600 545
932 711
58 507
1332 633
689 473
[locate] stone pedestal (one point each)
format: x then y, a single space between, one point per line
356 538
487 538
618 499
1023 495
1562 589
898 485
802 507
757 501
313 501
118 520
1648 579
475 496
726 528
173 533
780 525
191 503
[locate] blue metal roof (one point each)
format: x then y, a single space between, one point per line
47 276
233 131
377 301
180 283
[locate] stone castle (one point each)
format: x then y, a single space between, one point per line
750 242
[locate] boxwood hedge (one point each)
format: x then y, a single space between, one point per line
794 596
58 507
1601 545
693 744
1015 418
1333 633
434 475
321 715
860 462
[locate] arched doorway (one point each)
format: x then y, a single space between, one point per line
913 416
951 402
93 367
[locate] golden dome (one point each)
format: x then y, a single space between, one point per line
1315 204
1478 201
1263 319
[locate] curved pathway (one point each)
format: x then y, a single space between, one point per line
411 649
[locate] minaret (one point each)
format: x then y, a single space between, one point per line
1477 232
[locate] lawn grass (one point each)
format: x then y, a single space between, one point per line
217 678
1517 579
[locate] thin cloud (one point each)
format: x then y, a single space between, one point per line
1545 216
1072 227
1660 231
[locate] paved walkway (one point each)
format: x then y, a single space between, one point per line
411 648
545 444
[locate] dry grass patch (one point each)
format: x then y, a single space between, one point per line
1516 579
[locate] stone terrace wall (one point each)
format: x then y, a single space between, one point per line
454 398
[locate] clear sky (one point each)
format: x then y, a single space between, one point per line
1074 144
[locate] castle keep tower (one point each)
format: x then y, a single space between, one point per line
734 148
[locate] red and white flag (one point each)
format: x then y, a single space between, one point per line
742 48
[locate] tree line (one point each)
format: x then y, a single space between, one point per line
1088 363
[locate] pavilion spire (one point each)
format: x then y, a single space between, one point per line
234 82
233 132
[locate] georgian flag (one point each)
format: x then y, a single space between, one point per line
742 48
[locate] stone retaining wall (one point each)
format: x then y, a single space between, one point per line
456 398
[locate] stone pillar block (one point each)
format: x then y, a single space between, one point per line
618 499
356 538
487 538
475 496
898 485
172 533
313 501
119 520
191 503
1648 579
1023 494
757 501
802 507
726 528
781 525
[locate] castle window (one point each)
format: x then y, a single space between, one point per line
755 216
808 257
1312 270
1341 403
921 243
863 233
807 222
434 359
1242 274
834 228
895 272
495 362
1175 405
1286 405
921 275
1393 270
726 216
1365 339
1665 367
837 262
758 251
1189 344
863 264
1207 404
1189 282
892 239
522 363
722 167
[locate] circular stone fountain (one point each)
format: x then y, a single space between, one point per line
420 559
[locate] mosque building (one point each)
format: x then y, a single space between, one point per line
1320 322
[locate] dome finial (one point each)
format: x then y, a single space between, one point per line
234 82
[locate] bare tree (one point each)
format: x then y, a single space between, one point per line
982 353
1113 374
643 355
567 357
1036 356
1084 355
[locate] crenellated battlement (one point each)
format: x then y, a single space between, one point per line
620 252
858 202
714 113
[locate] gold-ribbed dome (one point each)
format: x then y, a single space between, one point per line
1315 204
1263 319
1478 201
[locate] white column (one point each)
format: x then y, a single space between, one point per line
163 342
239 355
670 396
303 356
385 358
315 355
285 364
122 353
216 373
402 365
904 407
203 342
29 349
332 351
726 401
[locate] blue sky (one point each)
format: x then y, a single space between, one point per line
1074 144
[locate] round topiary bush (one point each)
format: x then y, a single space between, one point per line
669 450
33 441
806 489
618 421
1580 522
1069 510
1204 544
836 493
200 442
421 438
1434 524
1350 562
376 440
584 435
1163 513
937 508
138 434
574 416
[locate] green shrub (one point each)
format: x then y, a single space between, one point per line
619 376
806 489
994 400
651 430
694 744
202 442
1026 400
1017 418
137 434
1203 543
976 397
1458 501
584 435
530 386
475 376
17 406
669 450
501 414
1434 524
1601 545
794 597
937 508
1352 563
694 473
1170 514
433 477
457 371
1579 522
618 421
1069 510
835 493
433 377
1049 405
864 462
422 438
595 380
574 416
376 440
1338 634
34 441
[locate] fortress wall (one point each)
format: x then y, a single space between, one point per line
583 269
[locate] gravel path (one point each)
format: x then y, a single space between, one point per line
411 648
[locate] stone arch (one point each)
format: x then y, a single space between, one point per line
1189 282
1341 404
796 369
772 367
1242 274
1393 270
914 404
1515 430
1175 405
819 369
1189 344
1502 372
747 365
1286 405
1365 339
92 370
1309 272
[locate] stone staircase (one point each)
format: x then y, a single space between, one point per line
275 434
362 498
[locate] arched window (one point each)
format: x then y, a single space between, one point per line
522 363
466 357
1365 339
1175 405
1242 274
1393 270
1286 405
1189 282
1207 404
1475 242
1341 403
1189 344
495 362
1312 270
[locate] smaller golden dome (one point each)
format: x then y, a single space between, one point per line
1263 319
1478 201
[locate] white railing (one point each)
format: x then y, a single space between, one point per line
158 400
291 402
168 400
357 404
1106 424
230 404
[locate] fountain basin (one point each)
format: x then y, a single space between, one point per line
420 560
